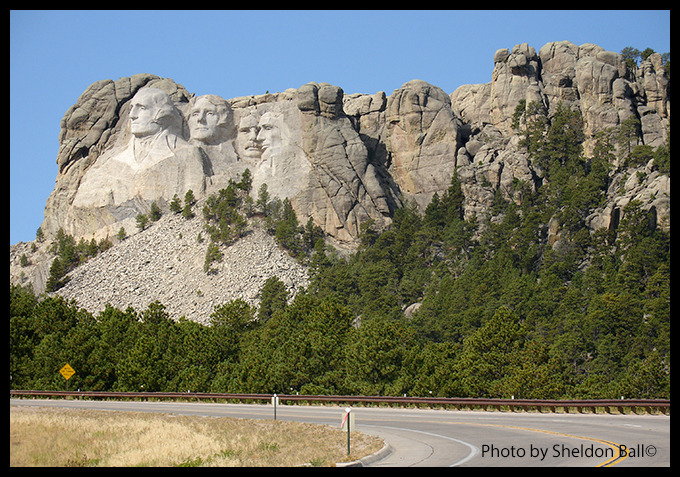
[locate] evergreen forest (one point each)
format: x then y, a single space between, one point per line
493 309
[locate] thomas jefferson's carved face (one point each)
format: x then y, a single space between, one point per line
203 120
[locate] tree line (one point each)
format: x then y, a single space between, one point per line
500 311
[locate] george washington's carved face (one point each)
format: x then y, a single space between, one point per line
151 111
142 116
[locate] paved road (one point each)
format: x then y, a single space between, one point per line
420 437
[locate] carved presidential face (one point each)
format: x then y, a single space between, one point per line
209 119
247 142
203 119
151 111
269 134
142 115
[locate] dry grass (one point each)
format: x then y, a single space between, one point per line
42 436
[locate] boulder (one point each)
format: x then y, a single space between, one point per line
471 103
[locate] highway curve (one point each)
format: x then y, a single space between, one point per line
439 438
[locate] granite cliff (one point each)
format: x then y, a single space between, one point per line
341 159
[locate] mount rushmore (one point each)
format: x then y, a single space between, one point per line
344 159
156 140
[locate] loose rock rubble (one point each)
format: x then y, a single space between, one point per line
165 263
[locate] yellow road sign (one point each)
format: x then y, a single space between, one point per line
67 371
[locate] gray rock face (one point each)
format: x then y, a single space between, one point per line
515 77
422 138
300 143
345 190
97 129
342 159
310 152
586 77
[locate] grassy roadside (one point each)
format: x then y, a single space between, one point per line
73 437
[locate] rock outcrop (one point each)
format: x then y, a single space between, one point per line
342 159
92 131
422 139
586 77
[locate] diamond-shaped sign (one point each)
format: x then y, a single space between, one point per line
67 371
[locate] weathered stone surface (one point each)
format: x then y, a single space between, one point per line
655 84
301 144
595 79
341 159
155 164
607 93
586 77
344 159
311 153
558 61
422 138
37 270
471 103
515 77
93 130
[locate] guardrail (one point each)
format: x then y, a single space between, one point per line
552 405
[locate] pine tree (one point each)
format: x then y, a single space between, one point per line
273 298
187 211
452 201
122 234
287 232
212 254
246 182
56 278
262 202
176 205
189 197
142 221
629 132
155 212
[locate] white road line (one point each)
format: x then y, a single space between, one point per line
474 450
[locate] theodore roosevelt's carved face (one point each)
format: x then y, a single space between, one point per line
247 142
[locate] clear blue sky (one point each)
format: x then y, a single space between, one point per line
56 55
